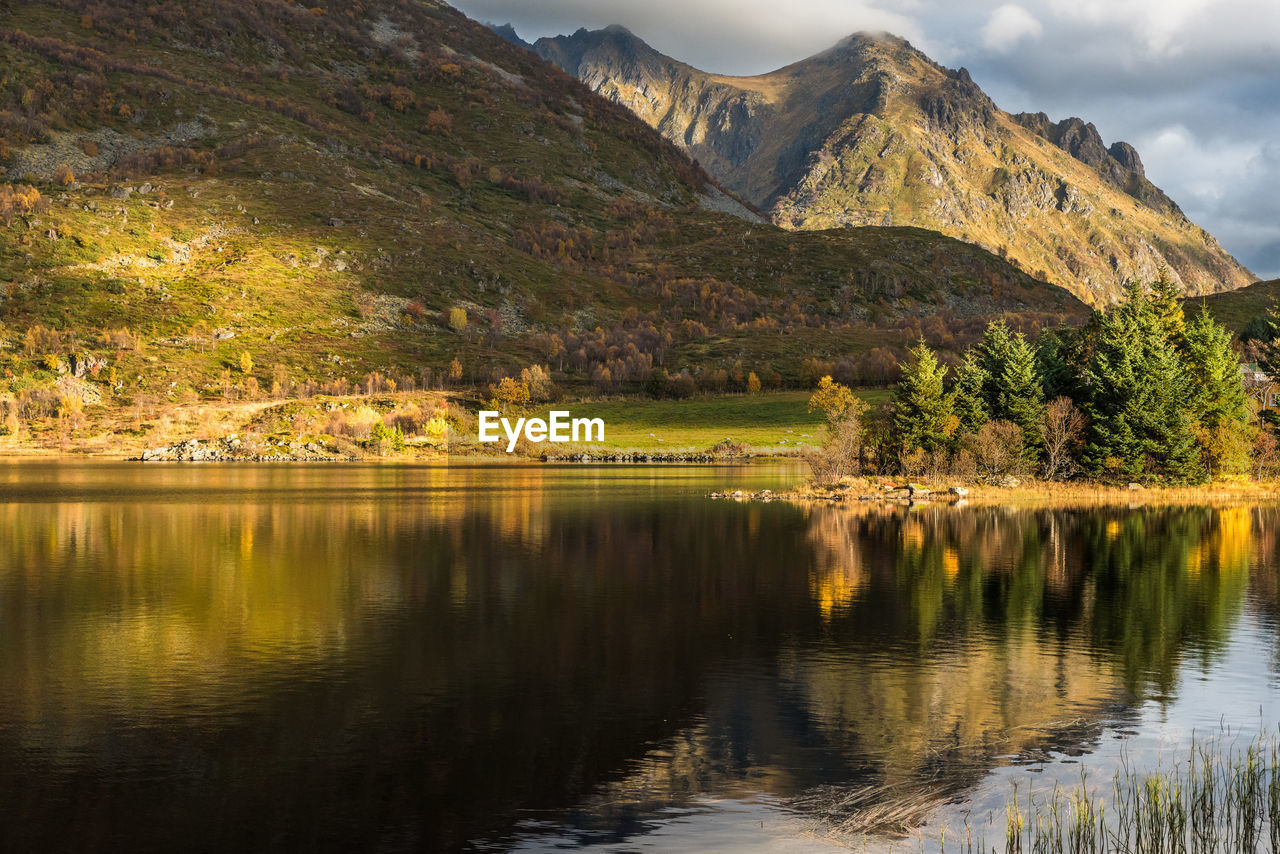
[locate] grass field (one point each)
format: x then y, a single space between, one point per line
778 421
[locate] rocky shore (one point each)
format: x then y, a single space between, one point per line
909 493
635 458
233 449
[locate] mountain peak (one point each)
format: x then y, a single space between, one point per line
873 132
508 32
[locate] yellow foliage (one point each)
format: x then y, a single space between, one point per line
832 399
507 393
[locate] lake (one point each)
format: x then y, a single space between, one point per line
532 657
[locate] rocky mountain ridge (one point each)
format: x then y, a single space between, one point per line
873 132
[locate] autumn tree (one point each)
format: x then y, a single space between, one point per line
1061 427
841 454
832 399
537 379
508 393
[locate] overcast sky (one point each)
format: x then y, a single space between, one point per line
1194 85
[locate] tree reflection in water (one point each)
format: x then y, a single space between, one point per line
417 657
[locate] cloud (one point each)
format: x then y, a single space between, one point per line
1009 25
724 36
1191 83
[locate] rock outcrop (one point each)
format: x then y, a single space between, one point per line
233 449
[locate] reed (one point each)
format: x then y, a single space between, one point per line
1224 798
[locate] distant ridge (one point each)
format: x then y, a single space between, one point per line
509 33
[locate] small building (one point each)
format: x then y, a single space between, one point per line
1263 391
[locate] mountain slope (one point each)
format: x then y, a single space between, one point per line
237 196
872 132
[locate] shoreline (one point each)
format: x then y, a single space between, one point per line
867 492
851 492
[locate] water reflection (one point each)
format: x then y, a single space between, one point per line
431 658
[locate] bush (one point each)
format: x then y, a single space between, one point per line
997 449
384 437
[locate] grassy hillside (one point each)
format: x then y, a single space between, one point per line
1239 310
227 202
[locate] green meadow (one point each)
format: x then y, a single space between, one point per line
777 421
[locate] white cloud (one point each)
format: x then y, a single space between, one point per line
1009 25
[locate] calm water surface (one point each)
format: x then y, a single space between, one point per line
532 657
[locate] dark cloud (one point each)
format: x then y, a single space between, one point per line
1191 83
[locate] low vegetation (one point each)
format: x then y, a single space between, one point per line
1224 798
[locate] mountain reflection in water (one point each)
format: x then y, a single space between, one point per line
424 658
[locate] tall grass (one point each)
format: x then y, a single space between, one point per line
1223 799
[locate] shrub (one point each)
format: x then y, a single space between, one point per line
383 436
997 449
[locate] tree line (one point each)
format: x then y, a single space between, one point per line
1140 393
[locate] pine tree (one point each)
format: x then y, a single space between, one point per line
1012 391
1140 423
922 412
1166 305
1020 397
1059 354
967 398
1218 399
993 354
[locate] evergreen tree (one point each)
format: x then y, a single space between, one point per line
922 411
1012 390
1166 305
1218 399
993 354
1019 395
967 395
1059 354
1140 424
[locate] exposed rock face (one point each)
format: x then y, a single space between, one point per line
872 132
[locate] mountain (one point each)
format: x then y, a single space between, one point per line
873 132
203 202
509 33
